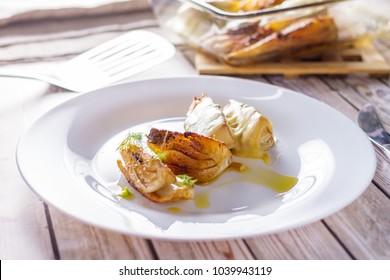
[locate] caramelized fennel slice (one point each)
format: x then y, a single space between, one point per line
253 131
303 34
201 157
150 177
206 118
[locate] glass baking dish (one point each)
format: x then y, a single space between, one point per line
241 32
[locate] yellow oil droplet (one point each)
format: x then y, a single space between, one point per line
202 200
174 210
127 194
237 166
268 178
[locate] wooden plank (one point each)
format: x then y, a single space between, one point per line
382 174
79 241
335 62
220 250
309 242
23 227
359 91
364 226
314 87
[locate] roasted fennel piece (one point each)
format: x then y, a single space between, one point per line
147 174
205 117
249 133
253 131
200 157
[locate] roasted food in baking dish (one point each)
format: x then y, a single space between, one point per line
250 42
236 32
303 34
243 32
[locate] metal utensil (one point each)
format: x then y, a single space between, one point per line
107 63
370 123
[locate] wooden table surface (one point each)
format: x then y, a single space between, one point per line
31 229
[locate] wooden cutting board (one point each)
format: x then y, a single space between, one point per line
354 59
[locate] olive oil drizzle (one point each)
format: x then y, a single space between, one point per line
264 177
202 200
174 210
279 183
261 176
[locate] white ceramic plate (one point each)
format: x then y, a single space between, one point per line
68 157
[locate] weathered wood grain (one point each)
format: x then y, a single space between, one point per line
314 87
364 226
359 91
218 250
309 242
76 240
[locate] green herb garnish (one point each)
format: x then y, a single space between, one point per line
126 193
134 138
186 180
162 156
